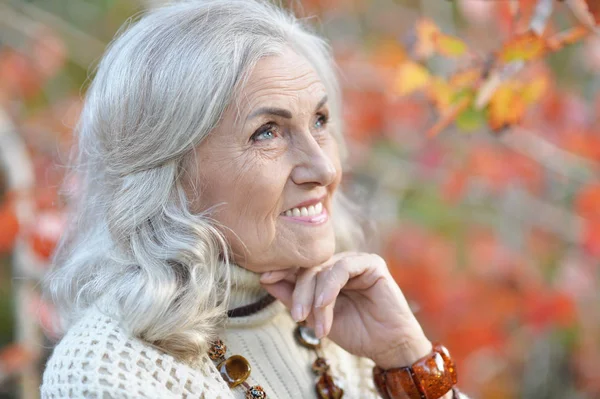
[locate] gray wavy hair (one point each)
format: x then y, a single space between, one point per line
132 246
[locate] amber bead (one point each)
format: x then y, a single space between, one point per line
432 375
234 370
320 366
395 383
448 362
306 337
256 392
217 350
327 388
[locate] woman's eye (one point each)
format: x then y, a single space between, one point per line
321 121
266 132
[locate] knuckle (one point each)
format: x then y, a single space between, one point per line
379 262
344 264
305 277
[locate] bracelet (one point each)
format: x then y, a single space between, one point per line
430 377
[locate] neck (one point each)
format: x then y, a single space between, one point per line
245 287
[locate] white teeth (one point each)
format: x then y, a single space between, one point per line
312 210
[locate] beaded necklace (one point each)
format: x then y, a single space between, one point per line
235 369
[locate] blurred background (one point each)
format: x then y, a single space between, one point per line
488 215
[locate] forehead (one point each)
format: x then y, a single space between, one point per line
287 79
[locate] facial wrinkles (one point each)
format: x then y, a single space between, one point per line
300 92
275 80
259 174
279 87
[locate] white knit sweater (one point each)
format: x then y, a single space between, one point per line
97 359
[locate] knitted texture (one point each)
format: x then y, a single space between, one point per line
97 358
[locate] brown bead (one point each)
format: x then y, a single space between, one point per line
234 370
395 383
306 337
320 366
448 362
380 382
256 392
431 375
217 350
327 388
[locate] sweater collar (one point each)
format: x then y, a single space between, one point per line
245 290
245 287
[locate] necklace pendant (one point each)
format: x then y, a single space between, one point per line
306 337
234 370
327 388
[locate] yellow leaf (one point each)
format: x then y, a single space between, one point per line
533 91
525 47
466 78
388 53
440 94
410 77
449 46
507 106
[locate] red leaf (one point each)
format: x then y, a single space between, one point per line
47 231
587 203
594 9
14 358
10 227
591 239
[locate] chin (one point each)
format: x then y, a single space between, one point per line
312 257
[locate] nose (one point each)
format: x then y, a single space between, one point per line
313 166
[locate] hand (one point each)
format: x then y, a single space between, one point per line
353 299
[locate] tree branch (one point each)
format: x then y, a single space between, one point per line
550 156
543 11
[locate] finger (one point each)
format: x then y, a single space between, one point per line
281 290
329 283
375 270
337 256
304 293
323 319
362 269
278 275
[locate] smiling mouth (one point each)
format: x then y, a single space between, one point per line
305 211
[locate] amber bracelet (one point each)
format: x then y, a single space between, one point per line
430 377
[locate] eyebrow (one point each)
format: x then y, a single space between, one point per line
284 113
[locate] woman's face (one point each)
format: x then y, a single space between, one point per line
274 165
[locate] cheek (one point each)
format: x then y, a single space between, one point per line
253 192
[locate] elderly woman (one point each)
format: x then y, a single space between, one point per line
207 255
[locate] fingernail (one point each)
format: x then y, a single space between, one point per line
265 276
297 313
320 301
319 332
